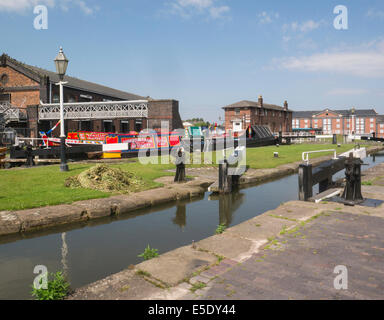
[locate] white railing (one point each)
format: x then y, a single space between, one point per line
96 110
10 112
305 155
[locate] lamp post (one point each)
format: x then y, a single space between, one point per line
61 63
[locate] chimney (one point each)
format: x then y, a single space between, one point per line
260 101
285 105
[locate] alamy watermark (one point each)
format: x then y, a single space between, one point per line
341 280
341 20
201 150
41 280
41 20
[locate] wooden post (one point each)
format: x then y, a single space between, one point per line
305 182
225 181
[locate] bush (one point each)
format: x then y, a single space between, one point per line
221 228
58 288
149 253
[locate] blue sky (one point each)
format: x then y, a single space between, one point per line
210 53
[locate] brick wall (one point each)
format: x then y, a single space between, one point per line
164 110
340 125
275 119
15 85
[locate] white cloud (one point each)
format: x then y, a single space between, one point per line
188 8
305 26
375 14
20 6
265 17
367 63
66 4
286 38
347 92
218 12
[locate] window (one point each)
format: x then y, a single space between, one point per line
237 111
108 126
124 126
360 126
327 126
4 78
138 125
5 97
372 120
85 126
55 98
295 123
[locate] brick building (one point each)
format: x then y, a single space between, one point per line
240 115
352 121
88 106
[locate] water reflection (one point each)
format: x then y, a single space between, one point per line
181 215
228 205
64 254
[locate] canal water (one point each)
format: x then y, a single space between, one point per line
93 250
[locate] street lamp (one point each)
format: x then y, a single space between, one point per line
61 63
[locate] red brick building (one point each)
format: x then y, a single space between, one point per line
353 121
240 115
33 92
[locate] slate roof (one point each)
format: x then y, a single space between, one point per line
253 104
76 83
303 114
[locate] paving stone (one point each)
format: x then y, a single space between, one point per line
199 278
183 262
9 223
226 245
305 268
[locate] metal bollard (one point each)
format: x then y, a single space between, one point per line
352 192
30 162
180 167
334 139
